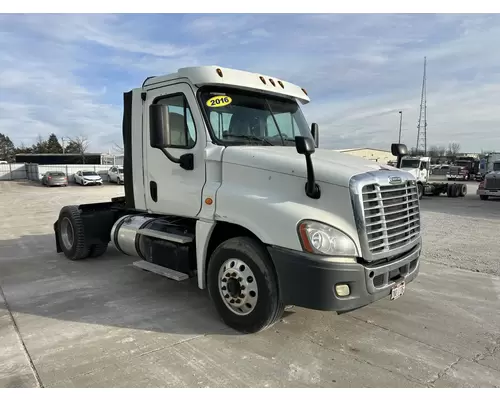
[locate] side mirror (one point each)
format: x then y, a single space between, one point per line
159 132
399 150
304 145
315 133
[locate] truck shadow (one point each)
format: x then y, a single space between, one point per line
106 291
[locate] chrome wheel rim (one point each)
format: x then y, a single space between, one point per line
238 287
67 234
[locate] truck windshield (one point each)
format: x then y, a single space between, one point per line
496 166
463 163
406 163
242 117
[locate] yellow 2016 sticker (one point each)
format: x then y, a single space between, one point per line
219 101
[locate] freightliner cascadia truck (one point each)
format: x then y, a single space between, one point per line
225 184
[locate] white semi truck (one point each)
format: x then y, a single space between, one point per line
224 184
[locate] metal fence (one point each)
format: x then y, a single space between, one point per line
34 172
10 172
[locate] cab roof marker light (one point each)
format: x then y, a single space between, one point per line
281 84
304 90
263 80
219 72
272 82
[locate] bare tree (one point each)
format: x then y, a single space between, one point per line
117 148
441 151
433 152
78 145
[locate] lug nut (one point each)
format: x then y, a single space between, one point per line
241 295
224 280
223 288
240 279
226 296
242 288
238 301
233 274
231 301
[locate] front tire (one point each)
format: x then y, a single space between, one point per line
420 189
243 286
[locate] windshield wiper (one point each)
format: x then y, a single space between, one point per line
250 137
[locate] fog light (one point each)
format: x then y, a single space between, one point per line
342 290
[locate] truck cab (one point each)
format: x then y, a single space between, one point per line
225 183
490 185
419 167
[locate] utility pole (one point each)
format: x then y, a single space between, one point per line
400 122
422 119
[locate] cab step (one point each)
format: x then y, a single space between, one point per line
158 269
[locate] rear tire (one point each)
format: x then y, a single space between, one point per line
97 250
243 286
462 192
71 234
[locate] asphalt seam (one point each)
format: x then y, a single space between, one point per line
363 361
444 371
407 337
21 341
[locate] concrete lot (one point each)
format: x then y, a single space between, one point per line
104 323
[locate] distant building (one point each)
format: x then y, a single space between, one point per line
112 159
59 159
377 155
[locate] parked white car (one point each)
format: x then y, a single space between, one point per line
87 178
115 174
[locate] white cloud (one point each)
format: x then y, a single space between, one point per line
66 73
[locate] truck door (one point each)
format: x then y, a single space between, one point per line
170 189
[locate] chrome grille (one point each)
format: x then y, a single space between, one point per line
391 217
491 183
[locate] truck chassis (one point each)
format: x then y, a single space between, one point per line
450 189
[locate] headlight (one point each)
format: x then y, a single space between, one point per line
318 238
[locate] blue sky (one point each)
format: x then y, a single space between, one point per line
66 73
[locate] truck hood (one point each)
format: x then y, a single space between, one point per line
330 166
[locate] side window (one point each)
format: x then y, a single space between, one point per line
181 122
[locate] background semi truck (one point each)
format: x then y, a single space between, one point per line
224 183
419 167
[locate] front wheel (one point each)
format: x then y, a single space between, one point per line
242 284
420 189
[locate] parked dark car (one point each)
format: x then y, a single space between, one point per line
54 178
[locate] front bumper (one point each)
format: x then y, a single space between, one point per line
486 192
309 281
89 183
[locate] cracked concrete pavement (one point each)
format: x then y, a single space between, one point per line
103 323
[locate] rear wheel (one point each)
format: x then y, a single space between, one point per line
97 250
462 192
242 284
71 234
